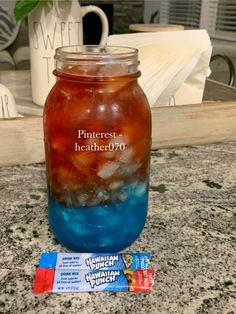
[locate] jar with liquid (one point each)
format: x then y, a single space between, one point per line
97 133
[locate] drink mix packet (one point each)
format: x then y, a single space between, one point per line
80 272
92 261
57 280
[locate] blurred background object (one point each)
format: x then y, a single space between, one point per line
173 76
222 61
8 26
14 43
7 103
6 61
218 17
92 23
155 27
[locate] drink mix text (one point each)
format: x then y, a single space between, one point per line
101 261
102 277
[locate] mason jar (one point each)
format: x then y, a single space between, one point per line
97 133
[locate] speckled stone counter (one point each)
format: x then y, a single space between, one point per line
190 230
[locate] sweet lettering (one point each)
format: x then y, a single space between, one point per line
47 65
60 33
48 38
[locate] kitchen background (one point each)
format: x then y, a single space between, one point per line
217 16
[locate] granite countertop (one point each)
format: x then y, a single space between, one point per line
190 230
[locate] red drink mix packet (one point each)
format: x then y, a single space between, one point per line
57 280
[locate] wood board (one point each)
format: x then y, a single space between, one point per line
21 139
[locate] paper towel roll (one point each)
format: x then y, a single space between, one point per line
174 65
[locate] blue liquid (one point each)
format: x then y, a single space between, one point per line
104 228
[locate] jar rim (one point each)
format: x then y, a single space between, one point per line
96 60
95 53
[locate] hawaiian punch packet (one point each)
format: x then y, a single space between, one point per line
75 272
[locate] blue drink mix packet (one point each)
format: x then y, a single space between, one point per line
80 272
91 261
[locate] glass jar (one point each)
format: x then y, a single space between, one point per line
97 133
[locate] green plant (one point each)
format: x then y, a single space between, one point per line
155 15
24 7
119 29
153 18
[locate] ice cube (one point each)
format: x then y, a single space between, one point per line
79 230
130 169
108 154
116 185
108 169
82 199
122 197
66 215
82 70
126 155
83 160
103 196
102 215
113 69
140 189
68 197
93 202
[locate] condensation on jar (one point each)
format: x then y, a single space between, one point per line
97 133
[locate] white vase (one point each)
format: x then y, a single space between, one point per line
52 28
